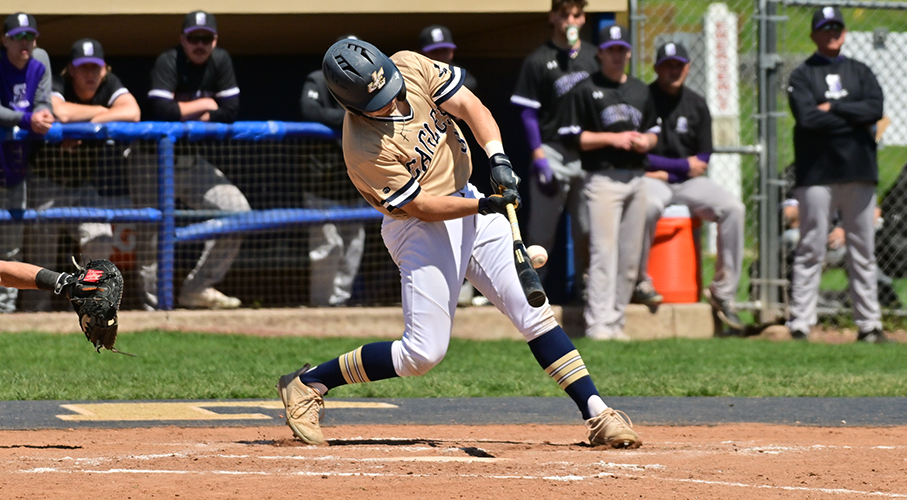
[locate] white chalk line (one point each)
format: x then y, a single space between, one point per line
567 478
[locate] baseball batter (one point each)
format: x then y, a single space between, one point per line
406 156
613 123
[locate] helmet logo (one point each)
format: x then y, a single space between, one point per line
377 81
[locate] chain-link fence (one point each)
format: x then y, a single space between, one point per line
733 46
877 36
722 40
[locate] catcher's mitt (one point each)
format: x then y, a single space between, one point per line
95 294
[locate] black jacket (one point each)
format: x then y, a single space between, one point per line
839 145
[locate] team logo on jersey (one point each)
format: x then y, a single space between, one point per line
552 65
377 81
20 96
563 84
836 89
598 94
621 113
312 94
682 126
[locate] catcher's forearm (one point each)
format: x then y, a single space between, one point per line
18 275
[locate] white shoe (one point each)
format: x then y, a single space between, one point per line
610 335
304 407
612 428
210 298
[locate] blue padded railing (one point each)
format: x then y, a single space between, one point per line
166 134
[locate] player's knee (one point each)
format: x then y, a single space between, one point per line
419 362
736 210
228 197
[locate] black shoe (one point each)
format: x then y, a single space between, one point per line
875 336
799 335
645 294
725 311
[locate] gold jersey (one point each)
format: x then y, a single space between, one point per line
392 159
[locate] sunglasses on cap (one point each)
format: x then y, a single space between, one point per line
831 27
24 35
196 39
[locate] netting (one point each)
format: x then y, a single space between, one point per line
877 36
721 39
261 212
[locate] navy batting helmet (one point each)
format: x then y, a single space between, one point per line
361 77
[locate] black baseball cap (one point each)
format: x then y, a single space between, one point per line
436 37
614 35
18 23
87 51
199 20
827 15
671 50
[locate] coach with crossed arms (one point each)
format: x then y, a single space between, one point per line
835 101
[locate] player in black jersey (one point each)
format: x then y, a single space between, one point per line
677 175
335 248
835 101
557 178
68 175
613 122
195 82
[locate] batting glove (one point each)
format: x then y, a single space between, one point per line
497 203
547 181
502 175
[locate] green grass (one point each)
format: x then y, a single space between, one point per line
202 366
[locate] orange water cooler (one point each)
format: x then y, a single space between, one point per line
674 263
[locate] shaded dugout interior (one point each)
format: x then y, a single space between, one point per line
272 54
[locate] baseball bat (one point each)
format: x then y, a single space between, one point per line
529 278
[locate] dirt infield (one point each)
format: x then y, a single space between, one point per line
499 462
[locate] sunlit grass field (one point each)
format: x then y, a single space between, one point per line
204 366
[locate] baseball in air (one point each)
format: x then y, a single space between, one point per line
537 255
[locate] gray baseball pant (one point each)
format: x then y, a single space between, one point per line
545 211
617 211
201 186
11 236
855 203
708 201
335 252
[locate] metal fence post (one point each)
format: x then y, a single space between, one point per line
769 231
635 51
166 240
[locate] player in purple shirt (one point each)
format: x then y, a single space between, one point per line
24 103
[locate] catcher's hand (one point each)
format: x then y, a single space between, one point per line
95 294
